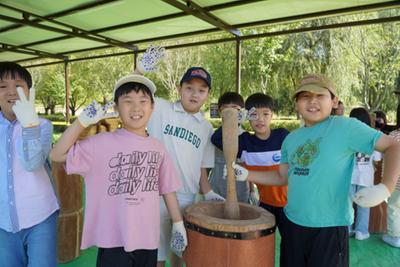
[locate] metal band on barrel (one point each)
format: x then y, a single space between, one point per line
230 235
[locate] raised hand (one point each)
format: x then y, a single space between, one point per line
24 109
242 115
95 112
241 173
178 238
252 114
245 114
150 59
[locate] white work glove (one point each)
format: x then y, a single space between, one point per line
25 110
244 114
371 196
178 238
150 59
241 173
212 196
95 112
253 198
252 114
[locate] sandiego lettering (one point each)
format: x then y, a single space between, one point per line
182 133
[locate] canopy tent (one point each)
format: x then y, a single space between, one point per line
37 29
43 32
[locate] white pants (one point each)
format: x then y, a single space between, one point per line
184 200
393 214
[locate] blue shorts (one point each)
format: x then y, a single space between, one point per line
35 246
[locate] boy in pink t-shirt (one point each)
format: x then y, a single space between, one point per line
125 173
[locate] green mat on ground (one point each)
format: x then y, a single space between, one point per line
367 253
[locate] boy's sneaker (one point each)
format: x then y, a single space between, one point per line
361 236
391 240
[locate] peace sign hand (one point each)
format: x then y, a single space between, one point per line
25 110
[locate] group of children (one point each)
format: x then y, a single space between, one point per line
165 149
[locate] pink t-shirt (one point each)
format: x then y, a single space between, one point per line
125 174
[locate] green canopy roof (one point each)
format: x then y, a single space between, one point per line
58 29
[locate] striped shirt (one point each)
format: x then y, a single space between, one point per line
261 155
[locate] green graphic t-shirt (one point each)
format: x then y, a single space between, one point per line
320 160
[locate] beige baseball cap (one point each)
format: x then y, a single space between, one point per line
315 83
137 79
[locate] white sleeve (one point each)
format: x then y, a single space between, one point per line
156 117
209 152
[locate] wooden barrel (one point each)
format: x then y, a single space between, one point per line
218 242
69 189
377 216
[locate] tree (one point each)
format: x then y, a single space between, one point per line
300 54
258 66
49 84
95 79
377 51
172 68
219 60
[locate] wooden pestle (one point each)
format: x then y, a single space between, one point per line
230 149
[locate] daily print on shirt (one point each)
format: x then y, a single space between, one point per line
133 172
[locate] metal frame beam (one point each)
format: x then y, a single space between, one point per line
323 14
28 51
63 13
75 31
131 24
238 50
191 8
67 92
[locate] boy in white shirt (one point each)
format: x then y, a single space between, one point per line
185 132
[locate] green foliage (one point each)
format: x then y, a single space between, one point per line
376 51
56 136
95 79
54 117
59 128
49 84
287 124
220 62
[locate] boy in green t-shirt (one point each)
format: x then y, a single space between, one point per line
317 162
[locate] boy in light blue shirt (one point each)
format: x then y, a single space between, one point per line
28 203
317 163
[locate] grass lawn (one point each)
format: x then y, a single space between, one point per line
367 253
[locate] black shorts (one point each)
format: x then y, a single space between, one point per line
111 257
314 246
278 213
